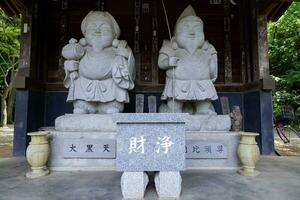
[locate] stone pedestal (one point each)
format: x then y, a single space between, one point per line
100 131
151 142
75 132
133 185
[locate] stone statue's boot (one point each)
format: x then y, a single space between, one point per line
205 108
175 105
111 107
83 107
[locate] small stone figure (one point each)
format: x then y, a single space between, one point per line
236 119
100 68
193 63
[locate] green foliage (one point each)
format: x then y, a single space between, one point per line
284 52
9 46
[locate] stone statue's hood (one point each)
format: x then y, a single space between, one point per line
189 12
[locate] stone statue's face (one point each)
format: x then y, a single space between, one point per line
189 35
99 33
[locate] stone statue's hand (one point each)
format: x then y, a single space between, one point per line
72 41
122 51
74 75
71 65
173 61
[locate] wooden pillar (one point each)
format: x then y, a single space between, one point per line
227 52
25 40
263 50
29 108
63 35
254 41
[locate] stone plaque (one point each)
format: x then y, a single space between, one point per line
89 148
150 142
225 105
198 149
152 104
139 103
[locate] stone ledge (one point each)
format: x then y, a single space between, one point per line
104 123
85 122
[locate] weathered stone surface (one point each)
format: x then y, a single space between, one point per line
133 185
60 161
89 148
104 123
85 122
168 185
201 149
229 139
208 123
150 142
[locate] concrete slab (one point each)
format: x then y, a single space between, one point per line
279 180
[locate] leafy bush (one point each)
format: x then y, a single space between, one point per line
9 45
284 52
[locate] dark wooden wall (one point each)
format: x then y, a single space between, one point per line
225 27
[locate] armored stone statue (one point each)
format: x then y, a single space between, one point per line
100 69
191 66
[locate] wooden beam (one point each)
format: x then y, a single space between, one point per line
278 11
266 6
12 7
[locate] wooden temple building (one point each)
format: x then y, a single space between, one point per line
237 29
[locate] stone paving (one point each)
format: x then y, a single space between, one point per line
278 181
287 149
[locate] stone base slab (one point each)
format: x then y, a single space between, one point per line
104 123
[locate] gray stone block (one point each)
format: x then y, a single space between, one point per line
133 185
62 160
150 142
85 122
208 123
230 141
168 185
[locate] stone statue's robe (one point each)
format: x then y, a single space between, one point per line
102 78
194 73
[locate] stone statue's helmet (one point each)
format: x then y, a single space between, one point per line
188 14
104 16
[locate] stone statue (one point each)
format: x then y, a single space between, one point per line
193 63
100 69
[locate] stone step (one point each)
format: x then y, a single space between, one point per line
6 138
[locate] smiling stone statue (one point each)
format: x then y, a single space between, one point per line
191 64
100 68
